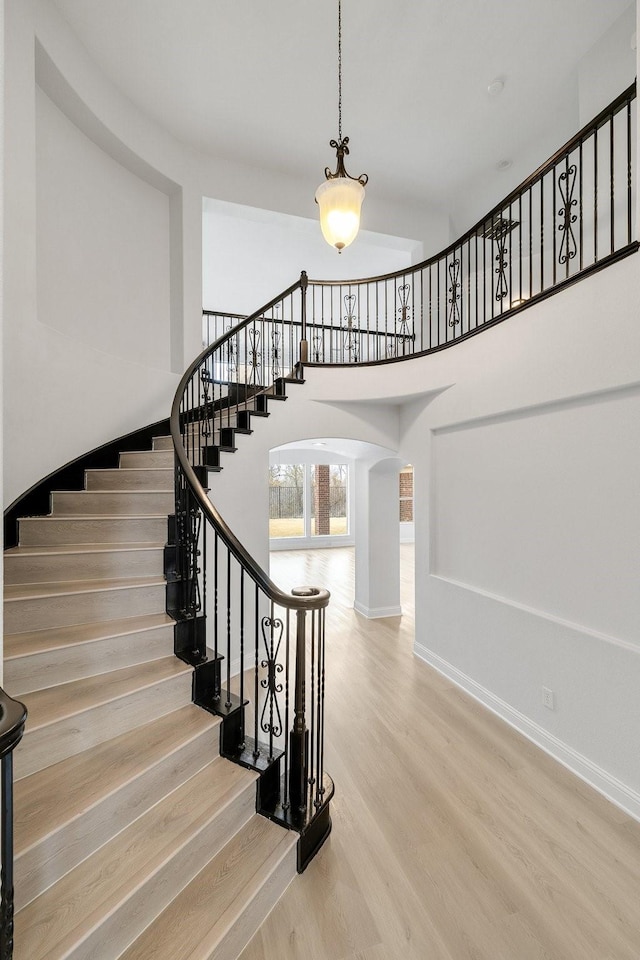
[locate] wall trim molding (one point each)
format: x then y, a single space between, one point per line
376 613
609 786
536 612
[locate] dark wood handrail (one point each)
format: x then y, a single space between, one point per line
13 715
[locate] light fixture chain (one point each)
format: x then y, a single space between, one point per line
339 70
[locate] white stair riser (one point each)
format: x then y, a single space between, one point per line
48 531
146 458
43 746
122 926
79 660
39 613
162 443
45 862
157 478
87 565
115 503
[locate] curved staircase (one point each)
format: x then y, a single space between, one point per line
133 837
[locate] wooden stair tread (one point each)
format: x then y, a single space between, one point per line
49 550
200 916
65 518
58 588
67 699
142 469
40 804
37 641
70 910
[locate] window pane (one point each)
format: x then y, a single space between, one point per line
406 495
329 513
286 500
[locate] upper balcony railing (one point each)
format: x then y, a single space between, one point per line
574 215
249 639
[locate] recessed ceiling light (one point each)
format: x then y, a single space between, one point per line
495 88
504 164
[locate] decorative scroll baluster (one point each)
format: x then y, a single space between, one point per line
207 405
231 354
351 337
188 525
404 334
566 185
316 347
271 718
454 293
276 337
502 288
255 355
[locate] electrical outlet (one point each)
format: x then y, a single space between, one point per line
548 698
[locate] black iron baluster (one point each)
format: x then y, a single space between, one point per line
468 287
484 275
520 247
430 308
215 594
531 241
228 701
321 653
541 233
421 312
595 195
312 725
553 221
256 675
287 661
612 184
438 299
629 196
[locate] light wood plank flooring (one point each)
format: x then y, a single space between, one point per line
454 838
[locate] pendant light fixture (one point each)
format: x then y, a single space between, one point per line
340 196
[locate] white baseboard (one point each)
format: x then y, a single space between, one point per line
376 613
613 789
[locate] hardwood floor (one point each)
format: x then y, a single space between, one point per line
454 838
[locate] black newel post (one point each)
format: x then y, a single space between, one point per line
304 343
6 831
299 735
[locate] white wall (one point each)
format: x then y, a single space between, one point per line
250 255
102 245
526 454
86 262
607 68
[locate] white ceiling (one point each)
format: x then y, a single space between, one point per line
256 80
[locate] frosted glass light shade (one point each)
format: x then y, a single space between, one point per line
340 200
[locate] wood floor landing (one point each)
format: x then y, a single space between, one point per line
454 838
